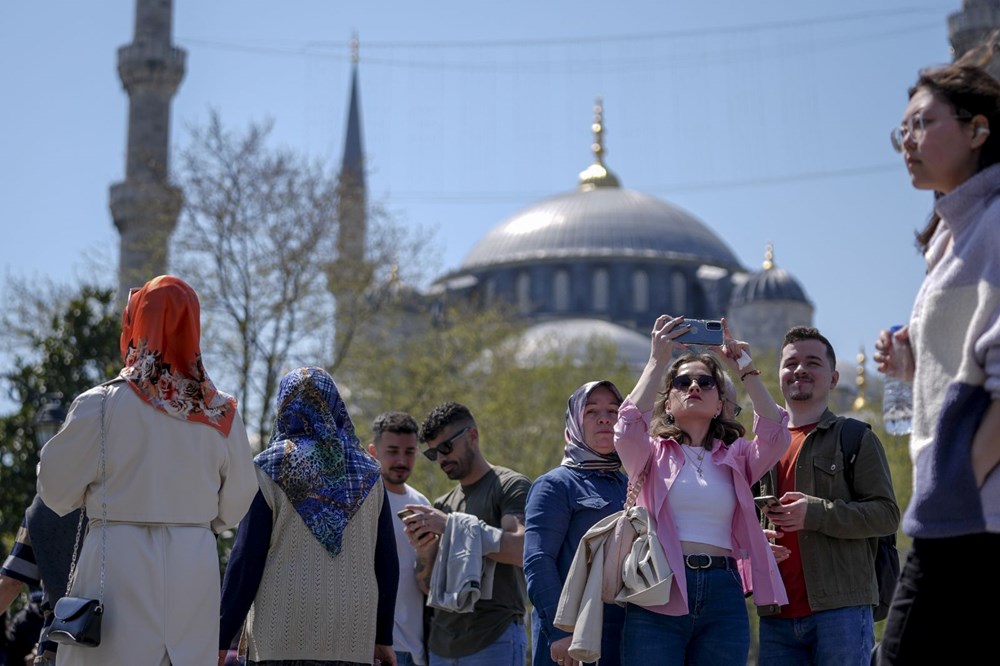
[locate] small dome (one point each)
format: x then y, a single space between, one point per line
573 335
605 222
770 284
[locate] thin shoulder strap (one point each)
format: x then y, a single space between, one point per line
851 432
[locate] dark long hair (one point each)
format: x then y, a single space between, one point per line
971 91
664 426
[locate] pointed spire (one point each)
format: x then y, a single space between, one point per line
352 165
597 175
768 256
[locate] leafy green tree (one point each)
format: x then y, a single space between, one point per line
469 356
71 348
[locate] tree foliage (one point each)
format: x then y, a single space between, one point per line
257 240
73 347
468 356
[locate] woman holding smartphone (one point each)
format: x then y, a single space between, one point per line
699 472
950 139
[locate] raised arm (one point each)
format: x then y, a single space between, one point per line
662 345
729 354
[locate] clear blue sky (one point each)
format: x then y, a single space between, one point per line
767 120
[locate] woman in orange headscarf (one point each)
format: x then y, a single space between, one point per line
177 470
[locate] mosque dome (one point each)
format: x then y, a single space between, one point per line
770 284
573 336
604 222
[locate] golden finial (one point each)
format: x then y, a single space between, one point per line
768 256
355 48
861 381
597 175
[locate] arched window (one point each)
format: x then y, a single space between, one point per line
640 291
601 290
678 292
523 287
490 291
560 290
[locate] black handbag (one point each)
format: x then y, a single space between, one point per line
77 620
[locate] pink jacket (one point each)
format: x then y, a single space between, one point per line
748 460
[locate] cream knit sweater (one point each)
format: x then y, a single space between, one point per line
310 605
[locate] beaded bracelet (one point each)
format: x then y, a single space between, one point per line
746 374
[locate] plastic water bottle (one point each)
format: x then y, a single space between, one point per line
897 403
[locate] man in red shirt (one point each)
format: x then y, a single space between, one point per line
830 526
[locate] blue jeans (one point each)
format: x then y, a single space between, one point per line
404 659
838 637
508 650
715 631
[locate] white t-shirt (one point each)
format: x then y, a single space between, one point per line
408 628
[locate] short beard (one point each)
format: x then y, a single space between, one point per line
801 395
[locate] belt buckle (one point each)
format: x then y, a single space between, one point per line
691 565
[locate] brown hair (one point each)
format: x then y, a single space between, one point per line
664 426
971 91
798 333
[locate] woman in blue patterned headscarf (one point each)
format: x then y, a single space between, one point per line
562 505
313 570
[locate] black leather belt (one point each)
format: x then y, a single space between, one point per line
703 561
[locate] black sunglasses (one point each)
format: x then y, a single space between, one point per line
445 447
683 382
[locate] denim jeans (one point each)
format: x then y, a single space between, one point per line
715 631
508 650
838 637
404 659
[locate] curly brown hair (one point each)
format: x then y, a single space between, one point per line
663 425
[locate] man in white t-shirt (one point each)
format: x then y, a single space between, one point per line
394 445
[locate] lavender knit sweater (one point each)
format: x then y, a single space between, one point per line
955 333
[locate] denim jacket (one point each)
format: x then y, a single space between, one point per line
841 527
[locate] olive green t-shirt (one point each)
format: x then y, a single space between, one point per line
500 492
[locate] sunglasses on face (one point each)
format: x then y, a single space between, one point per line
683 382
445 447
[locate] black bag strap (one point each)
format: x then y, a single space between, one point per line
851 432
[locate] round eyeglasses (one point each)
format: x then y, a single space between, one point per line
915 127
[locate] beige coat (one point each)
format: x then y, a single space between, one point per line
171 486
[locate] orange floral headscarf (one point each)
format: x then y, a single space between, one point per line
161 332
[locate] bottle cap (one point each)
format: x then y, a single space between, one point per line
893 329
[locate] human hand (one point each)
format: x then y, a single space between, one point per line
559 652
663 339
730 351
894 355
384 655
425 520
790 514
781 553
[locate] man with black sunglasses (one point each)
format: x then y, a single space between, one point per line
492 499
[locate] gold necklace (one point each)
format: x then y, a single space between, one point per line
692 457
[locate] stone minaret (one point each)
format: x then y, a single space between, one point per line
145 206
350 275
972 26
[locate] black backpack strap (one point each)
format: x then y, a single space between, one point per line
851 432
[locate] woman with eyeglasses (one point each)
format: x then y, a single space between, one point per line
951 351
562 505
699 471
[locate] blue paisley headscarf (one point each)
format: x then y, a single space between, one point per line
315 457
576 453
